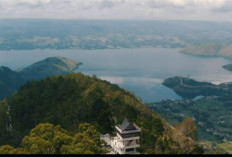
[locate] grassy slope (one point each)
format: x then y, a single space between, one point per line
226 147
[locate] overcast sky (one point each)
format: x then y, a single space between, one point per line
213 10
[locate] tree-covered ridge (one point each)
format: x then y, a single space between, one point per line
11 80
189 88
71 99
46 138
228 67
48 67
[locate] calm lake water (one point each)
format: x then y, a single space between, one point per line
141 70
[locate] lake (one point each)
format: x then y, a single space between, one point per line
141 70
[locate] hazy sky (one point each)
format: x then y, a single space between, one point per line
216 10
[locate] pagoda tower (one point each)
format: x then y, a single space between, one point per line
127 140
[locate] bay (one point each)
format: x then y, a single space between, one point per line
141 70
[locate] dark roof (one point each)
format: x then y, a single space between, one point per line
126 125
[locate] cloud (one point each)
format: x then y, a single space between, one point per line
227 7
107 4
25 2
111 79
187 4
117 9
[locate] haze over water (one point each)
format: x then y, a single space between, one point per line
141 70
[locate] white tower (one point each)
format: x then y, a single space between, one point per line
127 140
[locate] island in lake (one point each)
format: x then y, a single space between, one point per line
189 88
228 67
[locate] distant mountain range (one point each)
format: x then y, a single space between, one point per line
27 34
11 80
228 67
209 49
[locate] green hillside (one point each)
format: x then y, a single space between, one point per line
228 67
72 99
189 88
48 67
11 80
208 104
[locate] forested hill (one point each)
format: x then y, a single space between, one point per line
48 67
71 99
11 80
189 88
228 67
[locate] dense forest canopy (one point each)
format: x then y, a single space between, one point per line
46 138
71 99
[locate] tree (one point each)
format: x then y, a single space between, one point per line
157 127
188 128
166 146
89 131
46 138
159 146
129 112
7 149
86 141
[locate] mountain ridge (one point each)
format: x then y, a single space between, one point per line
74 98
11 80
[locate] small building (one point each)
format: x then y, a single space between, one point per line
127 139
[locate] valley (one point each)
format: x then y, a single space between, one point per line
209 105
65 82
200 99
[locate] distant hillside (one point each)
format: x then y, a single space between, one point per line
189 88
209 105
228 67
212 116
27 34
10 80
226 51
72 99
48 67
209 49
